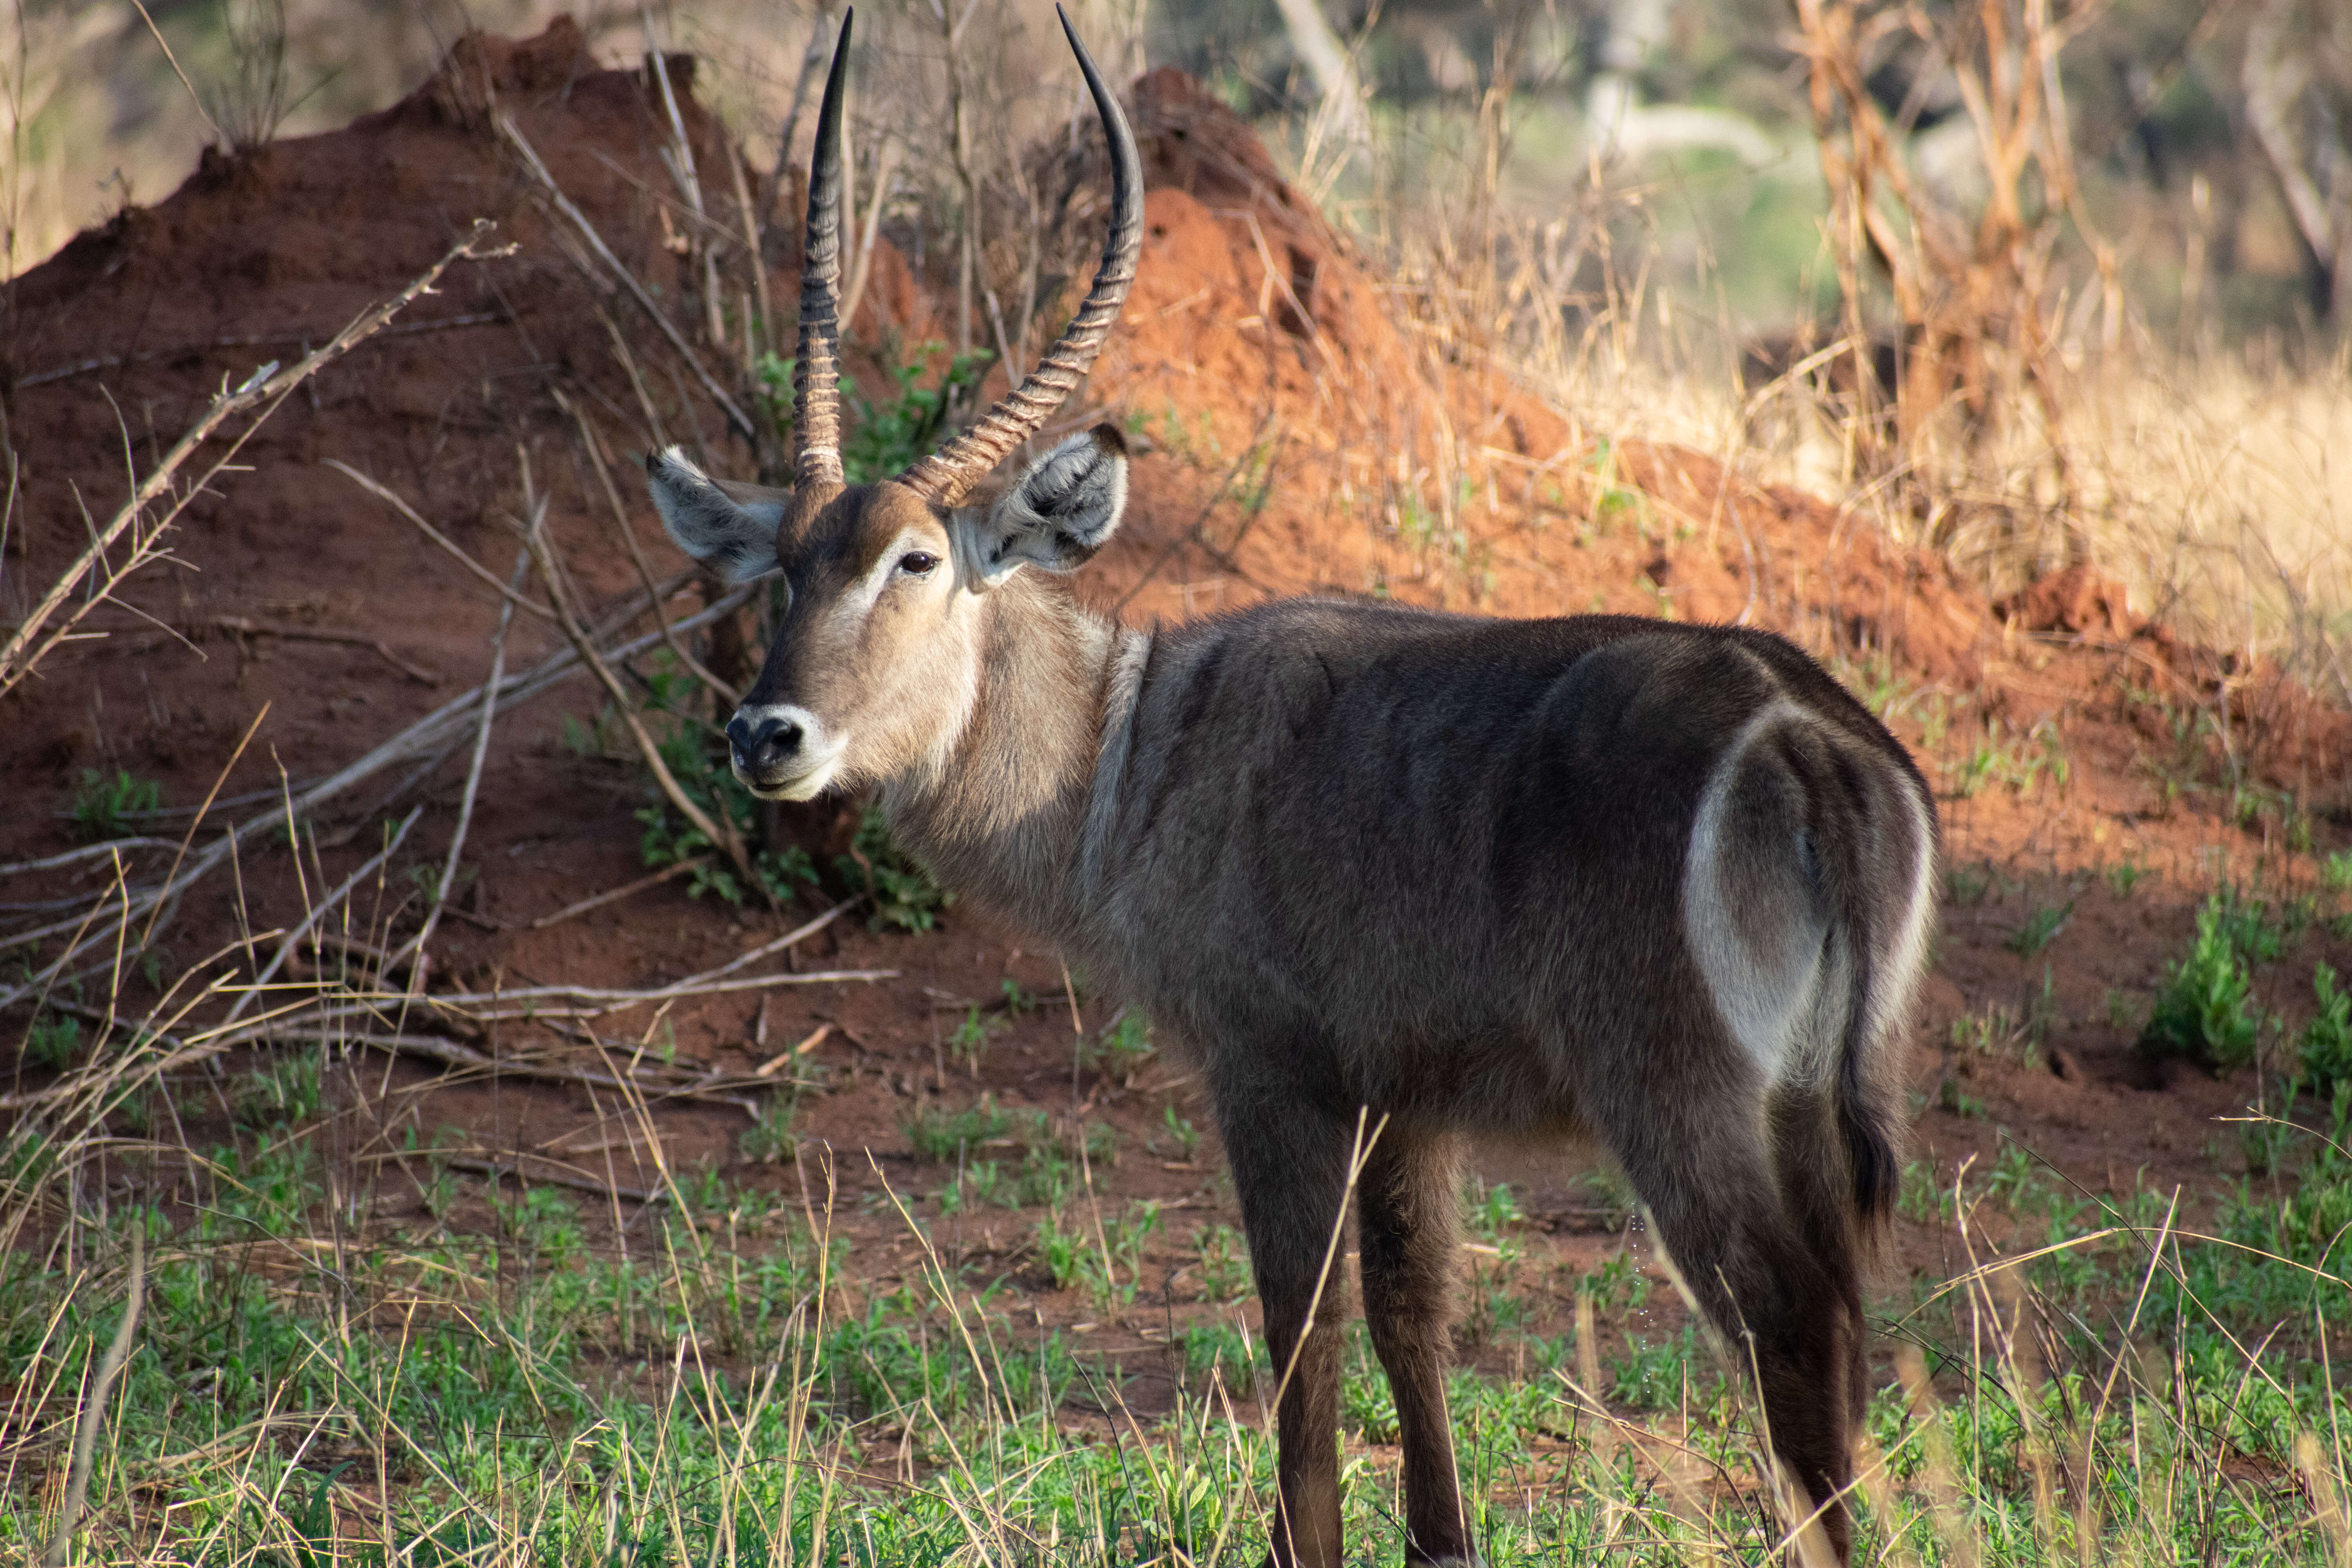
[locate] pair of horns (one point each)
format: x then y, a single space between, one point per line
944 476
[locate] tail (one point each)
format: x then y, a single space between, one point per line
1887 914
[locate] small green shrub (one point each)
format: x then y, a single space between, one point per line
1650 1377
904 894
100 802
1226 1350
2326 1041
2251 929
545 1224
285 1093
937 1133
2040 928
772 1137
1182 1136
53 1040
1923 1198
1061 1253
1494 1211
1123 1046
1223 1269
2205 1011
885 437
970 1041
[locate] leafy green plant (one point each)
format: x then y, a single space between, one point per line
2018 761
1223 1266
1966 884
2326 1040
2336 872
1123 1046
425 877
545 1224
2249 925
1105 1265
1651 1374
1061 1253
1952 1097
2204 1011
903 893
1617 1278
1223 1348
2016 1180
772 1137
52 1040
2039 930
885 437
937 1133
970 1041
1494 1211
1495 1307
1183 1138
287 1092
101 804
2123 876
1994 1033
1607 1187
1923 1198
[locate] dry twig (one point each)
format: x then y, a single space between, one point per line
93 1412
627 280
613 895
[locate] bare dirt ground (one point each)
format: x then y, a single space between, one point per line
1292 421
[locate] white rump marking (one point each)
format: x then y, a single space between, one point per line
1765 993
1893 980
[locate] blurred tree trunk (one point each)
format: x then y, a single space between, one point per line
1314 40
2290 105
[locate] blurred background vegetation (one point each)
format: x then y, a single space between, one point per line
2210 137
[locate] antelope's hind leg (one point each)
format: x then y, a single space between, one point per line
1406 1207
1700 1163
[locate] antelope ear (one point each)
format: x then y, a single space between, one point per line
735 538
1062 510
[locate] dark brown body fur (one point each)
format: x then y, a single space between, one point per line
1432 867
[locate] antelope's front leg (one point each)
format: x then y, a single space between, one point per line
1290 1172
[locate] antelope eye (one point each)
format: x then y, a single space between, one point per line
916 562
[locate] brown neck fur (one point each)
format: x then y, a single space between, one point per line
1000 821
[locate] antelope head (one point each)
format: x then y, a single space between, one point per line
876 663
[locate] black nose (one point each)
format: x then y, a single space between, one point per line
765 746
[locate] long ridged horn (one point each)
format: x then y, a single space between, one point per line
816 373
944 476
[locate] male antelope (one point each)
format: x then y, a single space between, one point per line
1662 886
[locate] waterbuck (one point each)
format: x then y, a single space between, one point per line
1389 877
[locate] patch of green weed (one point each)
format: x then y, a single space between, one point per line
102 802
2204 1011
903 893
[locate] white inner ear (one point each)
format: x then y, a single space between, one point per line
1058 515
735 540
